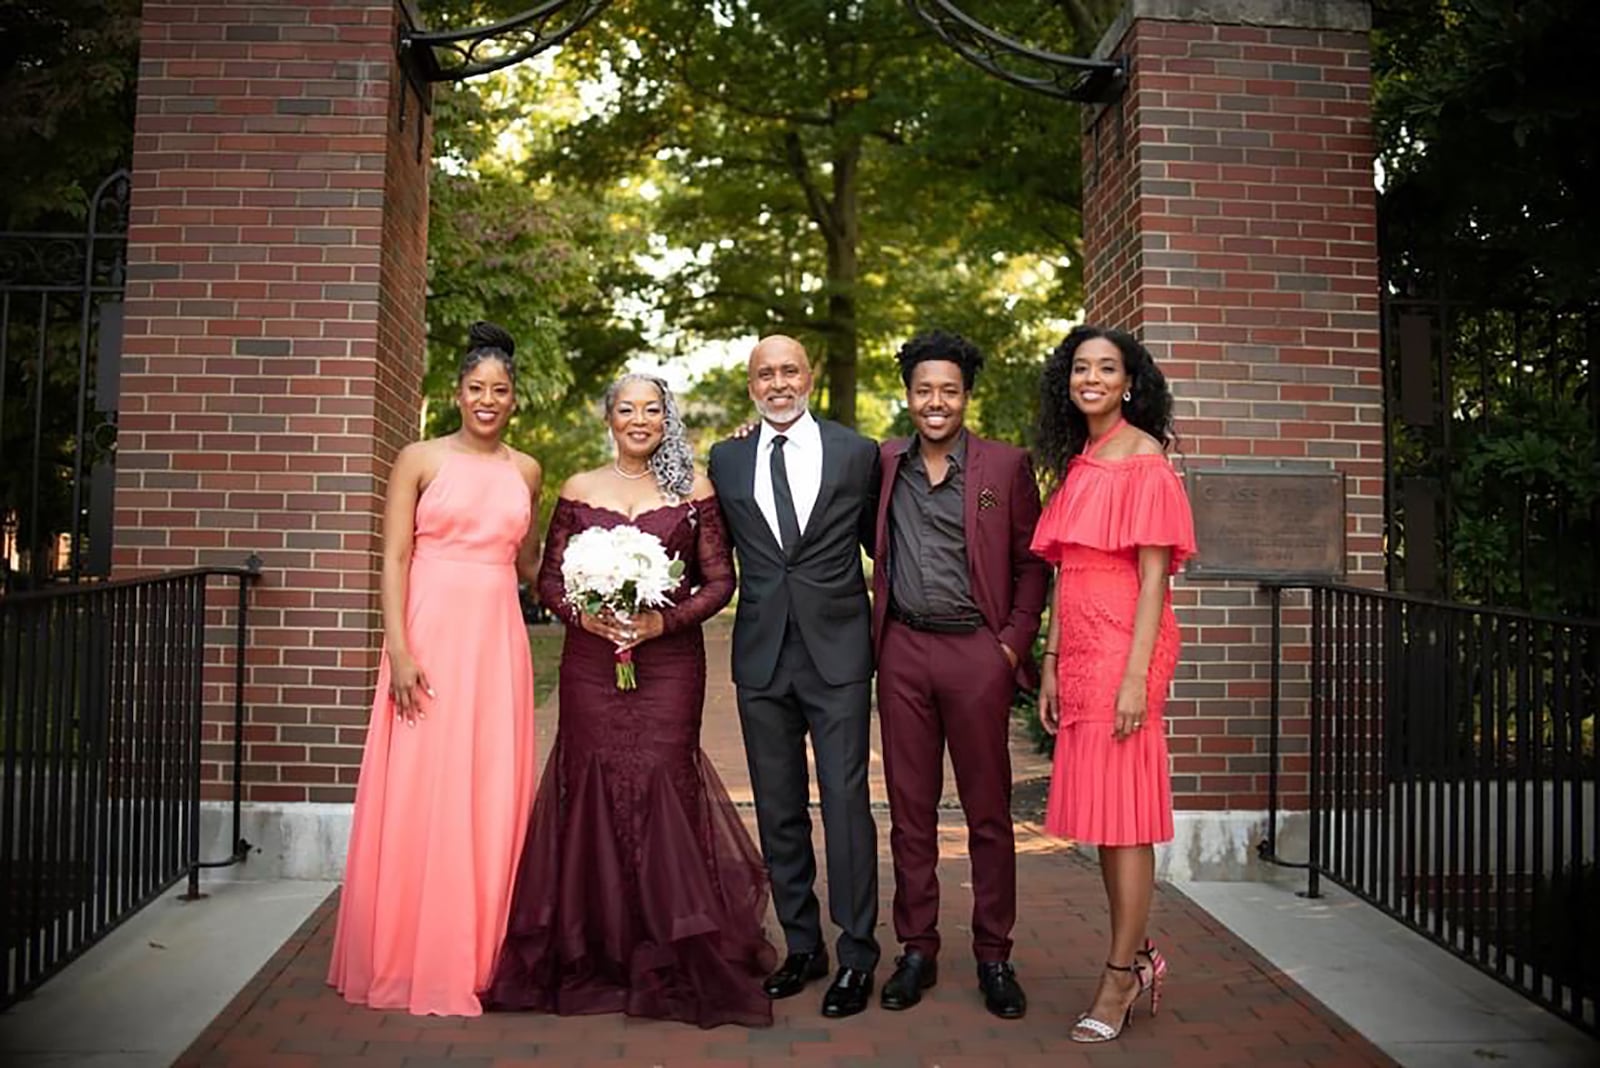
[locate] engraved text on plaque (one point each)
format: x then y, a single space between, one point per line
1267 523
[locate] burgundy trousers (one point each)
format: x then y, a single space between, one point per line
935 689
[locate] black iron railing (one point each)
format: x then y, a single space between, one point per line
1452 779
102 689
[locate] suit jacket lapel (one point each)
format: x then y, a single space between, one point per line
749 453
973 488
891 471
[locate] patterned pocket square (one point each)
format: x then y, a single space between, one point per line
987 498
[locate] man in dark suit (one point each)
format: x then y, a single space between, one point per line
799 498
956 601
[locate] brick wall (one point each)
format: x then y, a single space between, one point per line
1229 213
274 347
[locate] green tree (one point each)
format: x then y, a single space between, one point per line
826 168
67 71
1488 121
550 264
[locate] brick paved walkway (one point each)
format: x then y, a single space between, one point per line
1224 1004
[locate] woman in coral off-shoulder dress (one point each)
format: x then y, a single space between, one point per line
641 891
1116 528
448 773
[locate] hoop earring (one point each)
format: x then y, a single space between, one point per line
1127 395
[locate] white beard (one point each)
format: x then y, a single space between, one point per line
801 403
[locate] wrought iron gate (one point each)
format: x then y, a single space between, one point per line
1489 462
60 361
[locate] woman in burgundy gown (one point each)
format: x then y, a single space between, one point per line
639 889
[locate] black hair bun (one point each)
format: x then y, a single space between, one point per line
486 335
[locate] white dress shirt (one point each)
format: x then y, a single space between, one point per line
802 457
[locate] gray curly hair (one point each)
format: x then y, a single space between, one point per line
672 463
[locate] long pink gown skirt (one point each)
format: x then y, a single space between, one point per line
441 808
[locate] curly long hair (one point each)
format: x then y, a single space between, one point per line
1063 430
672 463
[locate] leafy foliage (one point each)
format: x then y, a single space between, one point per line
549 263
826 169
67 72
1488 121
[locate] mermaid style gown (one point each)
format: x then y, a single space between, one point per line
441 807
640 891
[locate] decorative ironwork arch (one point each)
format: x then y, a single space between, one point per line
1086 81
451 55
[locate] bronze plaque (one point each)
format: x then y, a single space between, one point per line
1267 523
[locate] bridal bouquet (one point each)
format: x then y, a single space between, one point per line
622 569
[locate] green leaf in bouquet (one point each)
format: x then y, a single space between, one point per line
675 569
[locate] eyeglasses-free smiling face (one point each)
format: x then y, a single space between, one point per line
937 400
1099 378
780 380
486 399
638 419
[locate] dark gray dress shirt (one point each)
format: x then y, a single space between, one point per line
928 574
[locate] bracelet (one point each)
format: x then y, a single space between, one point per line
1049 652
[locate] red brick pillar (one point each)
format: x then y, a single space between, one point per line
274 345
1230 223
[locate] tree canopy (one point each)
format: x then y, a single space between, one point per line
680 174
1488 121
67 72
1488 125
828 169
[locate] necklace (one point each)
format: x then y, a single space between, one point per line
630 477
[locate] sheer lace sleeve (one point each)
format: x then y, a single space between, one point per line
710 572
552 591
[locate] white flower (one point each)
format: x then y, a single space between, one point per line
622 568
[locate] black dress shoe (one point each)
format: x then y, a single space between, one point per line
849 993
794 973
1002 994
913 973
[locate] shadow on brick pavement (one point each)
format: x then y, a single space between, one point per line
1224 1005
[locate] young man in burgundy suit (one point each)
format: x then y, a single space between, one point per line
956 602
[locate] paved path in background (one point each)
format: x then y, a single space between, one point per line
723 742
1225 1005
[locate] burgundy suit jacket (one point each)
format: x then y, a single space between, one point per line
1002 508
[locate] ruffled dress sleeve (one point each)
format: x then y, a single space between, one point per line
1118 506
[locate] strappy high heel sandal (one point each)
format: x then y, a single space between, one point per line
1100 1031
1152 973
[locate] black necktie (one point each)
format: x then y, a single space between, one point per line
782 498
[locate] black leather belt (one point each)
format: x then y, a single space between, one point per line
935 624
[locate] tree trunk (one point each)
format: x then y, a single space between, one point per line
843 273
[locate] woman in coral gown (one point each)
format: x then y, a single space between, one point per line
1116 528
448 772
641 891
